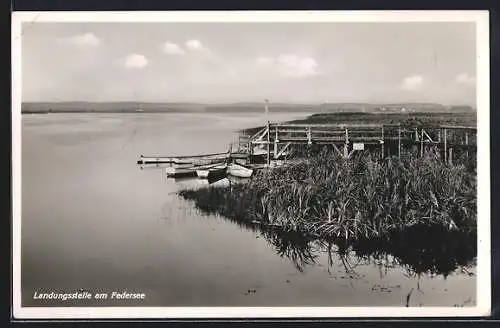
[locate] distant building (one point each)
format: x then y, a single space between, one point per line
394 108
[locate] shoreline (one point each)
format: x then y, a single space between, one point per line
253 111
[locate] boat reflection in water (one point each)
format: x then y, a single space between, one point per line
195 182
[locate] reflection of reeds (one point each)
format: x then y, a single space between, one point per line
429 249
294 247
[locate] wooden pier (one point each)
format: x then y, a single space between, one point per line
274 140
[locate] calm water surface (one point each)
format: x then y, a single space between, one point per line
92 220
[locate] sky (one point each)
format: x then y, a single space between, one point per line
240 62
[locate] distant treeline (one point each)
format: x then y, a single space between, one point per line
132 107
408 119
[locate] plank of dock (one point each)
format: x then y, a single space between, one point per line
177 158
458 127
338 126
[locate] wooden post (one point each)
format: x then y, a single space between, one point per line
268 143
416 134
309 137
439 136
467 144
450 157
276 142
399 142
382 147
445 144
346 144
422 143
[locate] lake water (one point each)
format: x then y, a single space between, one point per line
93 220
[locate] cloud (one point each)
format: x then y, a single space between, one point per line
298 66
172 49
195 45
84 40
412 82
465 78
265 60
291 65
135 61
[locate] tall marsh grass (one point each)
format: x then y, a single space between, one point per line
365 197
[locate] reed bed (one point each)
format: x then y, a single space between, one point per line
365 197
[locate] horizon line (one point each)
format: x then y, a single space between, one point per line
249 102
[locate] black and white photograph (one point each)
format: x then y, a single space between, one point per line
250 164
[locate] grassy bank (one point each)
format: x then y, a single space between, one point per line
364 197
406 119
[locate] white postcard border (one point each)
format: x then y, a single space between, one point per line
483 306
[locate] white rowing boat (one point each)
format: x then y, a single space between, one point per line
211 172
238 170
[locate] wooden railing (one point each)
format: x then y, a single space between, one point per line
356 136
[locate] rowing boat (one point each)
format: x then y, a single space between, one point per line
240 171
188 170
176 172
212 172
